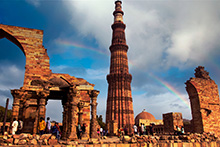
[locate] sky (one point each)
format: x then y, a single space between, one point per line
167 40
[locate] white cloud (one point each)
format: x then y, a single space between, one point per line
159 104
11 77
158 32
36 3
97 74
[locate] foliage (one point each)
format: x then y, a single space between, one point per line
100 121
2 114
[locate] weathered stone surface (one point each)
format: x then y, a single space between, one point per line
40 84
9 140
33 142
22 142
45 136
204 99
52 142
16 141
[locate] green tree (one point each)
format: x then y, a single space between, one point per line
100 121
2 114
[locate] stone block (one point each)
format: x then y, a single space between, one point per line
52 142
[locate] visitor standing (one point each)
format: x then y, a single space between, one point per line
151 130
48 125
135 129
182 130
42 126
83 128
101 131
14 126
56 131
79 131
20 126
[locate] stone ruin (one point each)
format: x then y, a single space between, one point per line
41 84
171 120
204 100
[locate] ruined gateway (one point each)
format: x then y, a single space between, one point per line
40 85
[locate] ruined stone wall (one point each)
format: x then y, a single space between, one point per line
171 120
30 42
204 100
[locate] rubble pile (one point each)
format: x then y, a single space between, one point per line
194 137
49 139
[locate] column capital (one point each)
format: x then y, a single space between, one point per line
93 93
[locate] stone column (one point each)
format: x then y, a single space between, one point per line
73 107
65 121
16 104
80 113
41 109
93 128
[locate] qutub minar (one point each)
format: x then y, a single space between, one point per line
119 102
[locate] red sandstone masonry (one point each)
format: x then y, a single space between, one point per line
204 99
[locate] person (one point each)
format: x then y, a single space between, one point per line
142 129
20 126
79 131
56 130
182 130
178 130
151 130
48 125
125 131
98 131
101 131
42 126
83 128
14 126
135 129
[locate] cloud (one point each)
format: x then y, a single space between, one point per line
36 3
158 33
11 77
159 104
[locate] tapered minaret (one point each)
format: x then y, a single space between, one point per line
119 102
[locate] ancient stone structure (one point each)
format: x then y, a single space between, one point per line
40 85
171 120
119 102
204 100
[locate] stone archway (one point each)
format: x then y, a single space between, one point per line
40 84
205 104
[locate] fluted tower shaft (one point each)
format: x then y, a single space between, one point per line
119 101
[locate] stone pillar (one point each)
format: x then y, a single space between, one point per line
16 104
65 121
41 109
93 94
73 107
80 113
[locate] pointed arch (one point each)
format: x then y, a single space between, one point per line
4 34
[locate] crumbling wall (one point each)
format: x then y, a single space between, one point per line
30 42
171 120
204 100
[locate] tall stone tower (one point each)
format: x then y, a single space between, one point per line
119 102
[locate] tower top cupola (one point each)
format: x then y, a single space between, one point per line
118 13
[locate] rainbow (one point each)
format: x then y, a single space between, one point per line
171 89
80 46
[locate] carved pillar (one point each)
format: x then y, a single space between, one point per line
93 128
65 121
16 103
73 107
41 109
80 113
